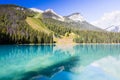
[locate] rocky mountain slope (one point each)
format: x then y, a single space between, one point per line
74 20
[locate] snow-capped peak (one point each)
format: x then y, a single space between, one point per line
76 17
54 15
50 10
37 10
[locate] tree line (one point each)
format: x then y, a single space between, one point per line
97 37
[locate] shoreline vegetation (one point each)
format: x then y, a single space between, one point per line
54 44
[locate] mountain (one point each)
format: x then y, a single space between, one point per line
113 28
76 17
36 10
49 13
78 21
74 20
109 21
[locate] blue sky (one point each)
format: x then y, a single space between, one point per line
90 9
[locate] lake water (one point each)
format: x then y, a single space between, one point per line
60 62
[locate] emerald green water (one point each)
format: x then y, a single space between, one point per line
61 62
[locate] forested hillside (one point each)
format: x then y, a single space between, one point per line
15 30
97 37
83 36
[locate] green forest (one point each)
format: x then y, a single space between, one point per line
15 30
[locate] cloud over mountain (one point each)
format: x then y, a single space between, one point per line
108 19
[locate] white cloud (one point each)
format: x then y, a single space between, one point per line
108 19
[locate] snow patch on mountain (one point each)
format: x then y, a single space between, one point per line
108 20
76 17
54 15
37 10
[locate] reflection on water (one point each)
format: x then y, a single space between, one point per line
50 62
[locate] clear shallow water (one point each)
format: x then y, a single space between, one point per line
61 62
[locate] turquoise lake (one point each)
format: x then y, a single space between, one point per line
60 62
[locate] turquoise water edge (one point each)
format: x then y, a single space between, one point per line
60 62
